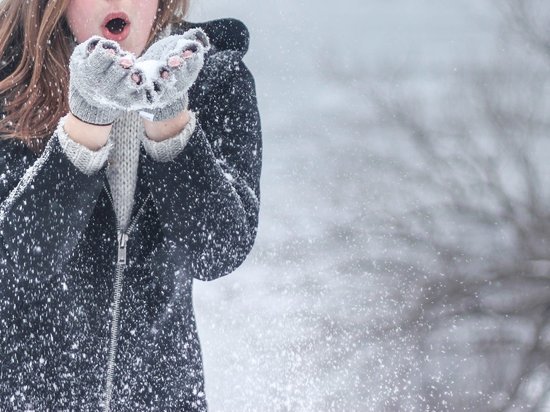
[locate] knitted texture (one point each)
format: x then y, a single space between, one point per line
86 160
179 59
101 85
122 154
168 149
123 165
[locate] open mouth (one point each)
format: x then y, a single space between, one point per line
116 26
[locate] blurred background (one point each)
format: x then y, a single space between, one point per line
403 256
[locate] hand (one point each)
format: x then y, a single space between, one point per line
167 70
101 84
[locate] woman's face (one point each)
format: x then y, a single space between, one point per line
128 22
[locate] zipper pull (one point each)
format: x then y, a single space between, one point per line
122 243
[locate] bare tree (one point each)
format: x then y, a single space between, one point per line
481 220
471 242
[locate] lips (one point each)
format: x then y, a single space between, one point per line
116 26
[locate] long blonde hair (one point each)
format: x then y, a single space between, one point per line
35 46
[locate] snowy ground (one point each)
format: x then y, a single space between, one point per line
291 329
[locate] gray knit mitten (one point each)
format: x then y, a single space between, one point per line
101 84
167 70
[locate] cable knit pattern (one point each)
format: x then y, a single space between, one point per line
122 154
123 165
86 160
168 149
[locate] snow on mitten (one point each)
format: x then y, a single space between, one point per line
101 85
167 70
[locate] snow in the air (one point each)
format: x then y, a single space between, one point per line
355 297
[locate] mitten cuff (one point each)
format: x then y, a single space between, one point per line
169 149
170 111
86 160
82 110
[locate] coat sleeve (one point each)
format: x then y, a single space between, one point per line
46 203
207 198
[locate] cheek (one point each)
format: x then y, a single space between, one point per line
81 33
145 19
147 12
81 26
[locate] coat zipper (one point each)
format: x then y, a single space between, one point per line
122 247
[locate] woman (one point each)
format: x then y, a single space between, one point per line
108 212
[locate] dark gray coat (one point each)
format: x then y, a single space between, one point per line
194 217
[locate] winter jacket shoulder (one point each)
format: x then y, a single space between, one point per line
224 34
